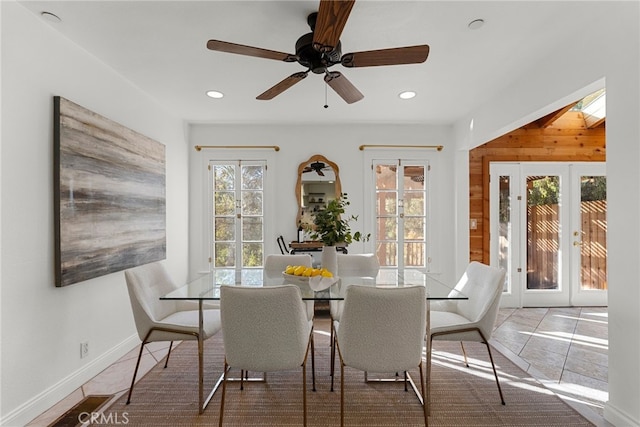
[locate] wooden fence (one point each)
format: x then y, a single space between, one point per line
542 246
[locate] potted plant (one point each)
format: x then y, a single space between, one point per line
331 227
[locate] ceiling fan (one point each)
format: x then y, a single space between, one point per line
321 49
316 167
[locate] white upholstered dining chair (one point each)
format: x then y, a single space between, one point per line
275 264
472 319
265 330
392 343
165 320
352 265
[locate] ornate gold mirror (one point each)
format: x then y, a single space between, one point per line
318 182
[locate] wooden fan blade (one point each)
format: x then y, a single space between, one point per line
394 56
282 86
240 49
332 17
343 87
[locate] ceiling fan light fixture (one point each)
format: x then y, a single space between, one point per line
51 17
407 94
215 94
476 24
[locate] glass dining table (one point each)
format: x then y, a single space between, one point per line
206 288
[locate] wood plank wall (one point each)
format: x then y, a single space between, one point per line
565 139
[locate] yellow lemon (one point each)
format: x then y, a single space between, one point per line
307 272
299 270
316 272
289 269
326 273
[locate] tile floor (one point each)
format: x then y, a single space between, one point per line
565 348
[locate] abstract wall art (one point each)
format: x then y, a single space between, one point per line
109 195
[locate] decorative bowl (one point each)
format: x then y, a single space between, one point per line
296 280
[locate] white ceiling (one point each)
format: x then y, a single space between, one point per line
160 46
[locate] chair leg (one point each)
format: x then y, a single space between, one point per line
341 393
424 397
333 358
427 398
224 389
464 353
135 372
495 373
313 363
166 362
304 388
331 330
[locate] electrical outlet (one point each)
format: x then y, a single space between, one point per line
84 349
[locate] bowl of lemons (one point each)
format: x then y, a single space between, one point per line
302 274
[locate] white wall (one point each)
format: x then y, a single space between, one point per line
338 143
42 326
607 51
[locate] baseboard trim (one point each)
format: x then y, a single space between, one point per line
617 417
35 406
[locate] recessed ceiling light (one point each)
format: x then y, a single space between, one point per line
476 24
50 17
407 94
214 94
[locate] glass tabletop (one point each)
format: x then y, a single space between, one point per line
207 286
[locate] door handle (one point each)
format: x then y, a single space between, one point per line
577 243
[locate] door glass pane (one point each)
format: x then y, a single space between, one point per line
252 254
414 254
414 209
414 228
414 177
224 203
504 228
543 232
387 254
386 177
225 229
593 248
414 203
225 254
252 229
224 177
252 203
386 202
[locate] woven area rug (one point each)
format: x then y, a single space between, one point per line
461 396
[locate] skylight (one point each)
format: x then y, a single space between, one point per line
593 108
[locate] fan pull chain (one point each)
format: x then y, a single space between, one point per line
326 105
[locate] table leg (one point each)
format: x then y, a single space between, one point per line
201 403
428 368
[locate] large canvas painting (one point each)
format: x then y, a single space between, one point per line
109 195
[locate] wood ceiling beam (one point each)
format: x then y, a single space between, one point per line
546 121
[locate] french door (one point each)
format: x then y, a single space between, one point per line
401 213
237 213
548 230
